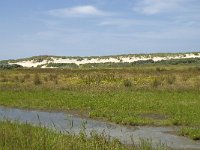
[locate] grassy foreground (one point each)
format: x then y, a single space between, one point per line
26 137
124 107
144 95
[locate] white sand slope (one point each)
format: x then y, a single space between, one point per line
33 63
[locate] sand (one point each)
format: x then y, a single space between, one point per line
32 63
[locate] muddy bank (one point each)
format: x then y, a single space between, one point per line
74 124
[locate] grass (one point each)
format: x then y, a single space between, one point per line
125 107
24 136
147 95
191 132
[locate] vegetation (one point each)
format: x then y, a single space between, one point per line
24 136
49 60
34 58
140 63
7 66
62 65
124 107
192 132
180 61
37 79
141 95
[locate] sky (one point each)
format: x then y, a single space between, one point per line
97 27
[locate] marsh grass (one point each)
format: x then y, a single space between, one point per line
26 137
118 95
191 132
122 106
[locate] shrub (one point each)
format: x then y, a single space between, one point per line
45 79
156 82
171 79
37 80
16 78
52 77
160 69
7 66
80 59
4 79
127 83
27 76
63 65
22 80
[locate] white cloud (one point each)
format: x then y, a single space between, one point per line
78 11
118 22
128 22
151 7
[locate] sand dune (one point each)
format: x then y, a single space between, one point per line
43 64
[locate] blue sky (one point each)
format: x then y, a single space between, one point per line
97 27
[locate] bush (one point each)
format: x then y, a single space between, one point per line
80 59
171 79
156 82
37 80
27 76
16 78
63 65
7 66
45 79
160 69
127 83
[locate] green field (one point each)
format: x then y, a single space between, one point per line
158 95
125 107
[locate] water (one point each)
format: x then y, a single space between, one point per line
73 124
